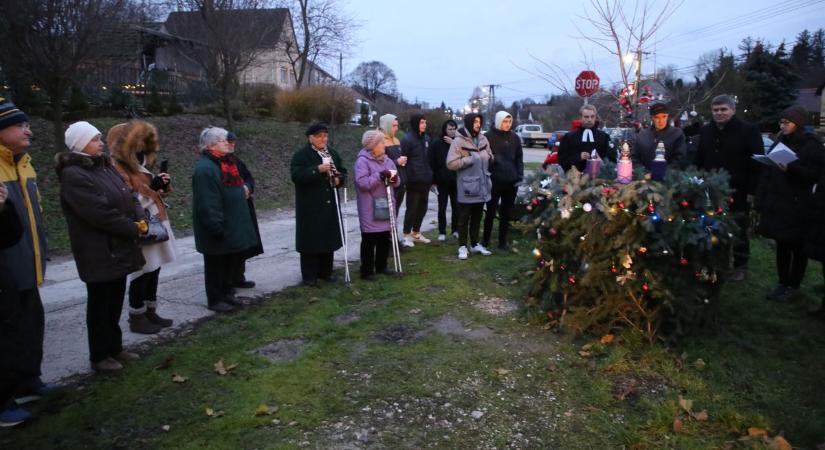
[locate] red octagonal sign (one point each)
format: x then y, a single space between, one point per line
587 83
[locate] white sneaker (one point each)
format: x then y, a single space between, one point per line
480 249
418 237
442 237
455 234
462 252
408 241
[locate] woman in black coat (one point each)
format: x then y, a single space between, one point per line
782 201
814 237
105 222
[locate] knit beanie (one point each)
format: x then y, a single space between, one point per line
385 123
371 138
500 116
79 134
658 108
796 114
9 114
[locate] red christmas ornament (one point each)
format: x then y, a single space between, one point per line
645 287
553 232
720 210
651 209
571 280
684 203
535 202
731 200
614 269
683 261
562 267
621 205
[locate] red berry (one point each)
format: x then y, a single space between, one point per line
684 204
621 205
571 280
683 261
645 287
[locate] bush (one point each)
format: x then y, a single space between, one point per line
261 99
332 104
154 103
77 100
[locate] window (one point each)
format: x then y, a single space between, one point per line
284 76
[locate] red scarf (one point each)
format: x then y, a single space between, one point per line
229 169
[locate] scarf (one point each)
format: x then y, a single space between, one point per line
229 169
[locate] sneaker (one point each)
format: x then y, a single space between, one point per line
455 234
408 241
107 365
480 249
462 252
13 415
442 237
40 390
418 237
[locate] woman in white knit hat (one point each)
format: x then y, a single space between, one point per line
105 223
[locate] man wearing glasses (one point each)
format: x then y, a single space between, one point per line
21 311
728 143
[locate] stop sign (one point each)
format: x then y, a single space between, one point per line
587 83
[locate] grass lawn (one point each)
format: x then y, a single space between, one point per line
443 358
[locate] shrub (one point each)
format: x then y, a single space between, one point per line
333 104
261 99
77 100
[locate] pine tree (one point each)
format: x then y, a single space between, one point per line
771 85
801 53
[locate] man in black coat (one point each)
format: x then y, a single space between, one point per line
728 143
577 146
506 171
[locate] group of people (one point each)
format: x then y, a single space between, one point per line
471 170
789 200
118 225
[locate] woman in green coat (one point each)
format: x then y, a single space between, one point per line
316 171
220 218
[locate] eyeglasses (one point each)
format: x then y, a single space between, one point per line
784 122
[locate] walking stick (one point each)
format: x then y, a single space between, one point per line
342 226
396 251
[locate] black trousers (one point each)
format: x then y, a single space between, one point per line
240 272
398 197
21 345
447 192
742 243
103 308
469 222
505 194
144 289
791 263
218 276
316 265
375 248
416 210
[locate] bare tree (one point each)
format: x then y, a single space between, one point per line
228 37
323 33
627 31
373 78
47 43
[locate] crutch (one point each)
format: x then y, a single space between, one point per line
342 227
396 251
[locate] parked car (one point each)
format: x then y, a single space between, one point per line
532 134
555 137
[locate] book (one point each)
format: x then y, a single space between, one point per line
780 156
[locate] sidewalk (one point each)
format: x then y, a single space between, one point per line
181 293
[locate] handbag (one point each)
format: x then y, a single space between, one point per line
380 208
156 233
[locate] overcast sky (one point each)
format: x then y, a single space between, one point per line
441 50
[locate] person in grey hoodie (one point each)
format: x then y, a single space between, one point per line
507 170
388 124
470 156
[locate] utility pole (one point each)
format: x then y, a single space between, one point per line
492 88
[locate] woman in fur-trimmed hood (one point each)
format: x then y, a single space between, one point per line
134 147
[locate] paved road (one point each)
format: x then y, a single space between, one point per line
534 155
181 291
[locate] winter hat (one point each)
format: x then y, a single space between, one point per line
9 114
372 138
230 137
796 114
316 128
500 116
658 108
385 123
79 134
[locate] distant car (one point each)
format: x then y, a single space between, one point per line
532 134
767 142
555 137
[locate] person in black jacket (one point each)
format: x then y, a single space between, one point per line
783 197
814 243
577 146
416 147
506 171
728 143
444 179
673 139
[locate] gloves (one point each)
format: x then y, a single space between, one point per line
385 174
157 183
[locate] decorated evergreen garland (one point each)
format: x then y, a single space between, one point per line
648 255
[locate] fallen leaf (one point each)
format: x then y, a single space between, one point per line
165 363
179 378
552 366
166 428
587 347
677 425
222 369
628 389
502 372
265 410
584 354
568 413
779 443
607 338
312 299
415 311
757 432
699 364
701 416
212 413
293 423
686 404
